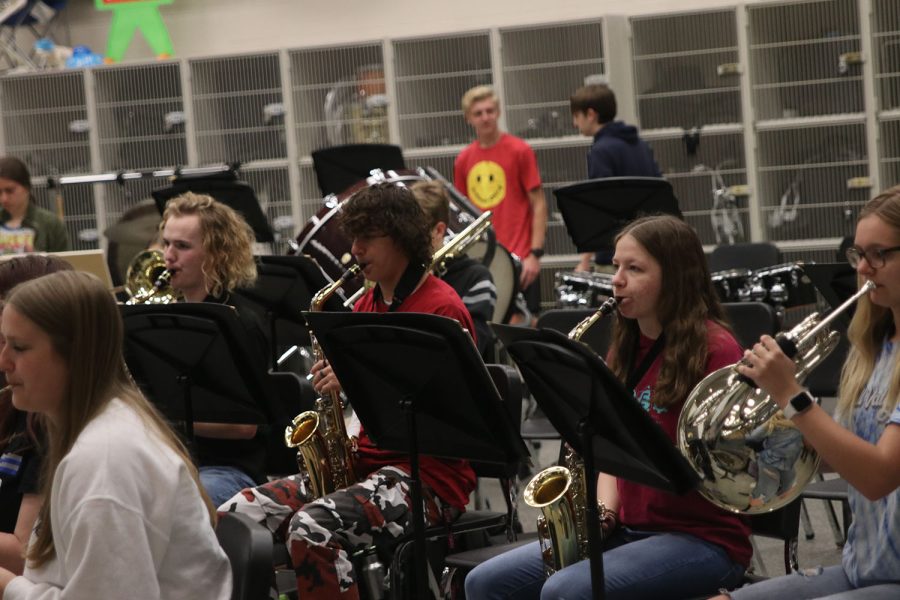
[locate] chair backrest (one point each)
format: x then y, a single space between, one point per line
597 337
752 255
750 320
248 546
294 395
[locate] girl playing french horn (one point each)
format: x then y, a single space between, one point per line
863 443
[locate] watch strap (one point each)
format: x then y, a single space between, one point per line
800 403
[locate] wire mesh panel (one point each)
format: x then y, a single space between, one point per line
441 162
45 122
140 116
273 191
79 209
339 96
238 108
813 180
431 77
710 184
886 51
686 69
311 200
805 59
890 152
542 66
560 166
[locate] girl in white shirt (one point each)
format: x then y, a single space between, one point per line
124 516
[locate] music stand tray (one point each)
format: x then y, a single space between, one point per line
419 386
592 410
193 361
594 211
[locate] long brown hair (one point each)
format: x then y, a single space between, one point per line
14 271
870 325
687 301
83 322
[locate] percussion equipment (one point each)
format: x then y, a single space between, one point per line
785 285
733 285
582 289
323 240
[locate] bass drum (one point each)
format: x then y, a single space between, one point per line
505 270
323 240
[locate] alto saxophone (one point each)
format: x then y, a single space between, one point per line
560 492
324 450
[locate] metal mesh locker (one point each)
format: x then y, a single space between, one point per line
273 191
140 116
812 180
311 200
45 122
238 108
340 96
80 214
890 152
542 66
431 76
805 59
886 50
441 162
560 166
695 177
686 69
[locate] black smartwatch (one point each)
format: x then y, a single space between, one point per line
800 403
537 252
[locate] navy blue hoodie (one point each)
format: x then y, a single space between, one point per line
618 151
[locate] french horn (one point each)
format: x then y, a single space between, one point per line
750 458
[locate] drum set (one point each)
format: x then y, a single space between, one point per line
322 240
782 286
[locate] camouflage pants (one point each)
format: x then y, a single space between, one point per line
321 534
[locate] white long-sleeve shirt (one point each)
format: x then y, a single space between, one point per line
128 522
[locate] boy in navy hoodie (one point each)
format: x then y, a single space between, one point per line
617 151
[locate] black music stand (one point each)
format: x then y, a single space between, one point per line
339 167
199 353
419 386
592 409
285 286
596 210
227 189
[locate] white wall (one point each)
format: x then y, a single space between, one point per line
215 27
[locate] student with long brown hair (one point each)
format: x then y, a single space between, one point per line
668 334
124 514
21 435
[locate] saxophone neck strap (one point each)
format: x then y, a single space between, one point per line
407 284
636 373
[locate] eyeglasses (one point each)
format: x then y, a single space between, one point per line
875 257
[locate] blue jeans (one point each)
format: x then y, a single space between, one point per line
636 565
221 483
830 583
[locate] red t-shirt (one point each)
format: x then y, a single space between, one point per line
649 509
451 480
499 179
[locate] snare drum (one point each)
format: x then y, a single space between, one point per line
581 289
323 240
733 285
786 285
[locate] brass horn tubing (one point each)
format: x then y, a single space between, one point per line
868 286
461 241
304 434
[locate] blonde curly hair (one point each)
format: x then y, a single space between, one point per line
227 241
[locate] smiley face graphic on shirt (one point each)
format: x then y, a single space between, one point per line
486 184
